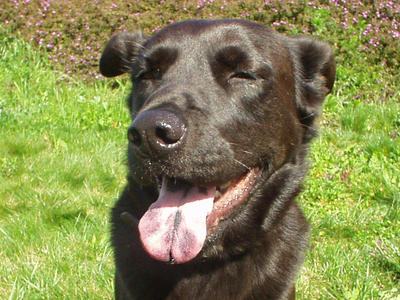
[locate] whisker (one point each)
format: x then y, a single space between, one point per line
309 127
130 219
242 164
310 115
245 151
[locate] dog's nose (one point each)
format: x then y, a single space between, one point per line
156 131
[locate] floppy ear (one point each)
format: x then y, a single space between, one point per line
315 75
119 53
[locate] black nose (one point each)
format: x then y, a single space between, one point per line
157 131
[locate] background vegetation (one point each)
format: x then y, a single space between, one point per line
62 142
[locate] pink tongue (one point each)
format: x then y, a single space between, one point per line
175 225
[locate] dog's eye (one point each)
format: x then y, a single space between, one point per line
145 75
243 75
150 74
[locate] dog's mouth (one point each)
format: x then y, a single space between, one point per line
175 226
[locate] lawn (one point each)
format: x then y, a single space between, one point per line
62 166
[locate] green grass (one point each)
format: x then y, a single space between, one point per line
62 154
61 168
352 195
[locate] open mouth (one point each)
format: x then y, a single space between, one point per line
229 196
175 227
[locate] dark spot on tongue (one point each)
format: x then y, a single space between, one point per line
178 219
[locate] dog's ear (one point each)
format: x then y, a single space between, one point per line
315 75
119 53
316 70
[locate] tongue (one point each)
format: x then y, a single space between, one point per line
174 227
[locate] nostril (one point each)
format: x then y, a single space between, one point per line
168 134
134 137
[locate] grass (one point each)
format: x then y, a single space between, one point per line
352 195
62 146
61 168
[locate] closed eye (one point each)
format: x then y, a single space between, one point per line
243 75
149 74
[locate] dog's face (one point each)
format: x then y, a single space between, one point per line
216 106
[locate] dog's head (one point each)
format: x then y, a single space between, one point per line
215 106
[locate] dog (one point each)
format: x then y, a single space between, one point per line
223 112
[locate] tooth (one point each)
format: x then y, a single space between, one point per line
217 195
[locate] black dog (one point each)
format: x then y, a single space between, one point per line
223 112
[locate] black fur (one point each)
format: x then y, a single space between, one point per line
249 98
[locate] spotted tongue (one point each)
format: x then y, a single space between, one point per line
174 227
